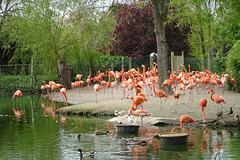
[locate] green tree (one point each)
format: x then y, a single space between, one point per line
199 16
53 32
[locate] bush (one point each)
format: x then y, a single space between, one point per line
233 64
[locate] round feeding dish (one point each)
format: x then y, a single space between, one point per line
127 129
173 138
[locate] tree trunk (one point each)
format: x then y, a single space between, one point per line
160 11
209 41
64 73
203 63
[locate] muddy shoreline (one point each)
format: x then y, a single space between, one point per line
84 103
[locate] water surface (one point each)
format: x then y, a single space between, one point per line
38 133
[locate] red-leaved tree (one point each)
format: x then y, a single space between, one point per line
134 34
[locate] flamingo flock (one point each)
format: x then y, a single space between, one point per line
146 82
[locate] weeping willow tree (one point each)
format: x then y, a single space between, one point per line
53 32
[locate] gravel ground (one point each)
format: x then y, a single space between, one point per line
84 103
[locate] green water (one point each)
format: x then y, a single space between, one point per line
40 134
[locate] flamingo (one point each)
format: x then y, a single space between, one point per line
48 87
160 93
88 81
17 94
138 88
203 103
233 80
218 99
82 83
111 84
176 95
64 91
184 119
43 87
137 100
103 83
123 85
79 77
140 113
190 86
97 88
168 82
181 87
54 87
223 81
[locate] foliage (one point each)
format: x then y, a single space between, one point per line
46 30
135 31
233 64
134 34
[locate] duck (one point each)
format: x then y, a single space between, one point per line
236 117
78 136
130 120
219 114
116 113
115 121
86 154
102 133
229 112
142 143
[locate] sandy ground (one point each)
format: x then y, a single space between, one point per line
84 103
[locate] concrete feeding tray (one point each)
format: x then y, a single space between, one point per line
173 138
127 129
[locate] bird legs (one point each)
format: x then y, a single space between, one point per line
182 97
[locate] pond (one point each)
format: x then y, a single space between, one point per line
38 133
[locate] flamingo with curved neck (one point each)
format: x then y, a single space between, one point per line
218 99
184 119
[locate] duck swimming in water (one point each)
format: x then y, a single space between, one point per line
102 133
78 136
86 154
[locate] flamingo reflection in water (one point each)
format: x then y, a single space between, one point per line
17 112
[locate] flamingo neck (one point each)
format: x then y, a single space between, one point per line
211 96
154 89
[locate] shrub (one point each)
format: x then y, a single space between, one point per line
233 64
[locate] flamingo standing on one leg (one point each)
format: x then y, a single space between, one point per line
64 91
97 88
233 80
203 103
184 119
218 99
